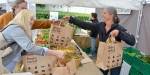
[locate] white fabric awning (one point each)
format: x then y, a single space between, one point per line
126 4
3 1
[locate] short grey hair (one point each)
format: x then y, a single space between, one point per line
113 11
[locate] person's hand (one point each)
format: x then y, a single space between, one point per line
114 33
60 54
56 22
57 53
66 18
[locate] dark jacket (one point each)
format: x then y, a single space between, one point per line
94 33
100 28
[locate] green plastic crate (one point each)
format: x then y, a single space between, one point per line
130 55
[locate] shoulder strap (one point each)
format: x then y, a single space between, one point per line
6 45
5 27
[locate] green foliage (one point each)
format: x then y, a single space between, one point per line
140 64
42 12
74 14
136 53
145 59
80 16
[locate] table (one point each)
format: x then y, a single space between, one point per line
82 40
88 69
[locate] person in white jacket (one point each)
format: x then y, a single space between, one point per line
18 34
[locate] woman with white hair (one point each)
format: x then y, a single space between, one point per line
18 35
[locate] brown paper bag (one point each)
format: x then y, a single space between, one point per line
39 65
61 34
61 71
72 66
109 55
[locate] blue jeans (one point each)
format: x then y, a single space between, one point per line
114 71
93 46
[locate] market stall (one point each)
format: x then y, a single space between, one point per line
87 66
83 65
75 60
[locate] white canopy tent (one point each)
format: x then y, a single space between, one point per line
126 4
3 1
6 4
6 1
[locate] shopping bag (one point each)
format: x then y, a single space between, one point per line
60 71
71 65
109 54
61 34
39 65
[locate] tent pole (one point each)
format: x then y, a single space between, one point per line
138 27
139 24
